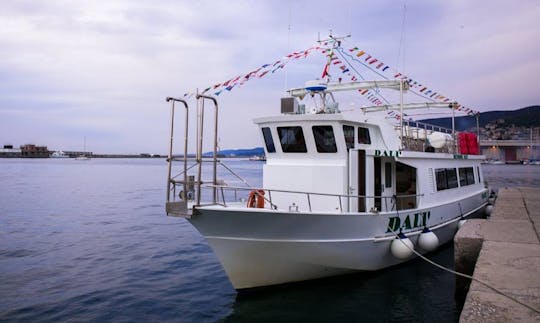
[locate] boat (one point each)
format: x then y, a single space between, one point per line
257 158
343 191
83 155
59 154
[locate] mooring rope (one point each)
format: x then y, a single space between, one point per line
462 274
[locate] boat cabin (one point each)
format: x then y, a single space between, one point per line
361 159
319 159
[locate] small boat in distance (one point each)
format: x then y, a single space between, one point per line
258 158
59 154
84 155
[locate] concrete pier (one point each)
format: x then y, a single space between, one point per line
503 251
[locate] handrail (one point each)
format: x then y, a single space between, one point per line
200 129
308 195
170 157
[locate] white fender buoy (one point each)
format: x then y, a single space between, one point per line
402 247
489 209
428 240
461 223
492 197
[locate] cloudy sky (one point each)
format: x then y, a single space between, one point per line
102 69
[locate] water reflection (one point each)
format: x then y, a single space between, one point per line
415 291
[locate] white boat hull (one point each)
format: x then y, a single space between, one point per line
260 247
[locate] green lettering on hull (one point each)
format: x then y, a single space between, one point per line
409 221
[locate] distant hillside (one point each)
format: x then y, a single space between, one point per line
525 117
258 151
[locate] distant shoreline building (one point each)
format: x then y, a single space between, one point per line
33 151
25 151
9 152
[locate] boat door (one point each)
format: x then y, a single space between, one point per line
357 180
385 187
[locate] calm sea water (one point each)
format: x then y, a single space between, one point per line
89 241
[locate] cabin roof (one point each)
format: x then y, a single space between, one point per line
360 119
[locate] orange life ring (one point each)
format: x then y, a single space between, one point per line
256 199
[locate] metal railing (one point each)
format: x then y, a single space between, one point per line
191 185
415 136
189 182
309 197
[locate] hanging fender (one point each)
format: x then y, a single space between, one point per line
256 199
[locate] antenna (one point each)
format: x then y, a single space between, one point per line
288 44
336 42
401 49
333 39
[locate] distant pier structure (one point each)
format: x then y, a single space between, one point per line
9 152
510 151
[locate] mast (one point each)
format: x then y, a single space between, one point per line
335 41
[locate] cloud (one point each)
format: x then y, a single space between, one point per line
103 69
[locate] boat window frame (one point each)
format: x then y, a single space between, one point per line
349 142
406 179
320 138
296 146
364 137
269 142
440 179
446 178
478 174
466 176
388 174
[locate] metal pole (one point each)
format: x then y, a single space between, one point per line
200 126
214 178
170 151
185 156
171 146
478 131
215 150
452 106
401 110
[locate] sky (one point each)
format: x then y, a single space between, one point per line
99 71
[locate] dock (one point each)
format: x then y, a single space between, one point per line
504 252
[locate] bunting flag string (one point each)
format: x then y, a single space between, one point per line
414 85
260 72
345 66
372 96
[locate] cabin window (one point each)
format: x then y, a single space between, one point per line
446 178
451 177
292 139
268 140
440 174
348 133
324 139
363 136
466 176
